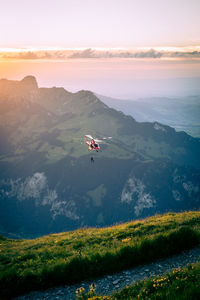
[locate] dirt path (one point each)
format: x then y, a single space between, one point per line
108 284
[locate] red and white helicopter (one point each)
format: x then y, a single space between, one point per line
93 143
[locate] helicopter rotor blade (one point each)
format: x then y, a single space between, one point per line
89 136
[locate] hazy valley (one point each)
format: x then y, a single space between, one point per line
47 181
181 113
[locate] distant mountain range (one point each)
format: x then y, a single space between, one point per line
47 182
181 113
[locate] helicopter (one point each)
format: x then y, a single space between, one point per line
93 143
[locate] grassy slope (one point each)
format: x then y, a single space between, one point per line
73 256
180 284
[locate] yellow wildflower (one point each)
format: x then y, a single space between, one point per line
126 240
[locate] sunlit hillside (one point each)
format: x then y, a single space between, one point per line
73 256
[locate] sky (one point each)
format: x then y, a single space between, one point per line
121 48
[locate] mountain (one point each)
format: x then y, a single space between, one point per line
181 113
47 182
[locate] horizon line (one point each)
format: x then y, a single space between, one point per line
54 53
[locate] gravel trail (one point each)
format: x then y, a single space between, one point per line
109 283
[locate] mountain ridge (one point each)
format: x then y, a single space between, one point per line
180 113
46 173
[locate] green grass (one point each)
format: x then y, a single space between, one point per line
180 284
70 257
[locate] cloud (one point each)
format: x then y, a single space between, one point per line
34 55
64 54
22 55
87 53
188 54
91 53
149 53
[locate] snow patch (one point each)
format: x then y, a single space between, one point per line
157 126
177 178
176 195
36 188
134 191
190 188
65 208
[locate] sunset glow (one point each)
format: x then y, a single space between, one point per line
189 52
104 46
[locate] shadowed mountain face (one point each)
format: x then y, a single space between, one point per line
47 181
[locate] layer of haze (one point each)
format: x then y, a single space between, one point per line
115 78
